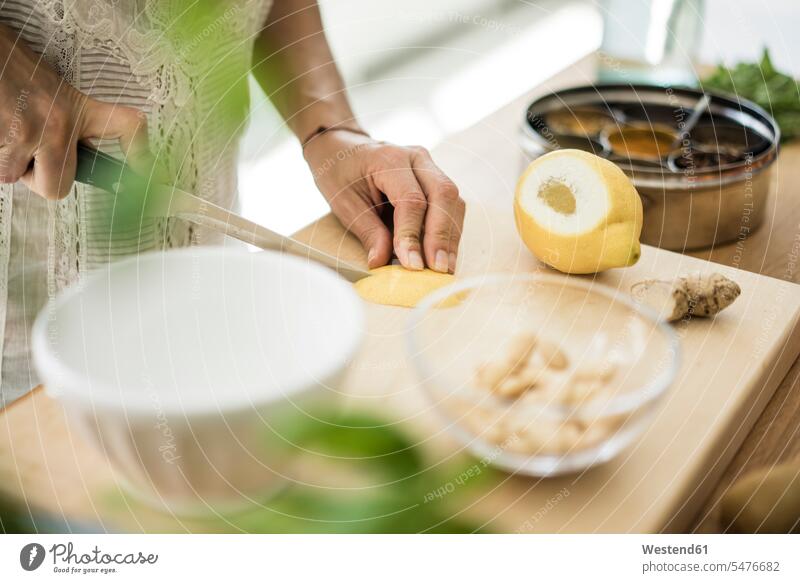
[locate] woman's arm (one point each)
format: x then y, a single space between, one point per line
43 117
293 63
295 66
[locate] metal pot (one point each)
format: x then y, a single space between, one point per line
687 205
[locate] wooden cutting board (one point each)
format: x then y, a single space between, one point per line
730 368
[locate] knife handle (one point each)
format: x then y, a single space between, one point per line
103 171
98 169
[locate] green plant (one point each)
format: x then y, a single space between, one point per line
762 83
397 493
11 520
389 487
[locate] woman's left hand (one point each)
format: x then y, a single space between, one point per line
355 172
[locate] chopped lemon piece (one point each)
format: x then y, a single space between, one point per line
393 285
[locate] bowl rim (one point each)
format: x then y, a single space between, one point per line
620 404
100 397
738 109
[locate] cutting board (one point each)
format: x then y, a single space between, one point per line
731 365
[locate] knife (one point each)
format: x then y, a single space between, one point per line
162 200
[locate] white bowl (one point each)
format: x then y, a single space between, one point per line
179 365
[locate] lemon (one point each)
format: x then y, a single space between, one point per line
578 213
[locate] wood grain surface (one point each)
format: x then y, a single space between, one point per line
671 481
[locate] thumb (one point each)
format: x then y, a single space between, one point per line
118 122
363 221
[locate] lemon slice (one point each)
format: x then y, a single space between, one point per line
393 285
578 213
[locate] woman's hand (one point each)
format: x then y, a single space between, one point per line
294 65
355 172
43 118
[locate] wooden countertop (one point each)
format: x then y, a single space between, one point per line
41 460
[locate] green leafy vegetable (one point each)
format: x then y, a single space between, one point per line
762 83
11 518
387 485
400 493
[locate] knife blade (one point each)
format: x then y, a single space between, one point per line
161 200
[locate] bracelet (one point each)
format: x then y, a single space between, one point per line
321 130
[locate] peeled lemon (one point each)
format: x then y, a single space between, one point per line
578 213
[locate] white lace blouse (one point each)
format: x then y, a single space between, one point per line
120 51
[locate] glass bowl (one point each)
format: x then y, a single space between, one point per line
584 407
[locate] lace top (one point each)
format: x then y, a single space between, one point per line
137 53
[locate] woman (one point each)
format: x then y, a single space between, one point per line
166 80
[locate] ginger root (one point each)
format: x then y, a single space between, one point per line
702 295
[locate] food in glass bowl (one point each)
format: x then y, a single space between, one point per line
540 373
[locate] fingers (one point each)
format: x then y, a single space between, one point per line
126 124
53 170
14 163
445 217
135 143
375 237
363 220
400 186
43 158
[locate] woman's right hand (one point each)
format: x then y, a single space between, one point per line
43 118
